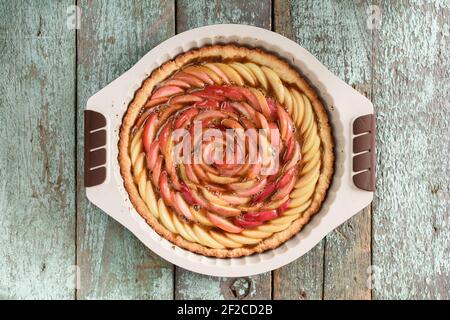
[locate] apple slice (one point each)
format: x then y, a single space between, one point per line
262 102
163 136
152 155
275 82
265 193
210 114
189 78
221 180
190 173
283 207
290 146
241 186
182 206
198 199
155 102
199 73
157 170
149 131
164 188
218 71
178 83
223 210
296 156
261 215
235 199
166 91
185 117
187 195
246 224
286 189
213 198
185 99
223 224
286 124
253 190
273 108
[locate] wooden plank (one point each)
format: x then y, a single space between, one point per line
411 211
191 14
336 33
114 35
37 188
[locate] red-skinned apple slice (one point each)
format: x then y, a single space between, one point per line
166 91
149 131
261 215
198 199
178 83
197 72
218 71
182 206
290 146
223 210
185 99
164 188
223 224
187 195
189 78
235 200
152 155
286 189
157 170
251 98
210 114
246 224
163 136
286 125
273 108
191 174
253 190
154 102
265 193
283 207
184 116
296 156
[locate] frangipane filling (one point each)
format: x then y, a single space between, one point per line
226 154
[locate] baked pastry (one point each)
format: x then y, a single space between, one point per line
204 187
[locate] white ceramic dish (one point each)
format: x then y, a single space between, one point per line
343 103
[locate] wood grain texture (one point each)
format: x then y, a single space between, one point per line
114 35
411 219
336 33
37 158
192 14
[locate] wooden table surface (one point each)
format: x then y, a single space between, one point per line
397 53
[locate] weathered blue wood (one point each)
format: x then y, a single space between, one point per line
113 36
411 219
37 157
336 33
192 14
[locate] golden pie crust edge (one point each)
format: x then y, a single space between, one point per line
287 74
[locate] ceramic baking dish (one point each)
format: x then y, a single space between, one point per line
352 119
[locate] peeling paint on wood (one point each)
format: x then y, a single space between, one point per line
114 35
411 218
336 33
37 183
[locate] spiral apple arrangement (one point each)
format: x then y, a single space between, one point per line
214 198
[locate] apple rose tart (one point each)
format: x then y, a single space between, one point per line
226 151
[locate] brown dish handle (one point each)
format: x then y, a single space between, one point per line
94 148
364 146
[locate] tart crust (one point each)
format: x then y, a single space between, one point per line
287 74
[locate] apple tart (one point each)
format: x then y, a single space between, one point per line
226 151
